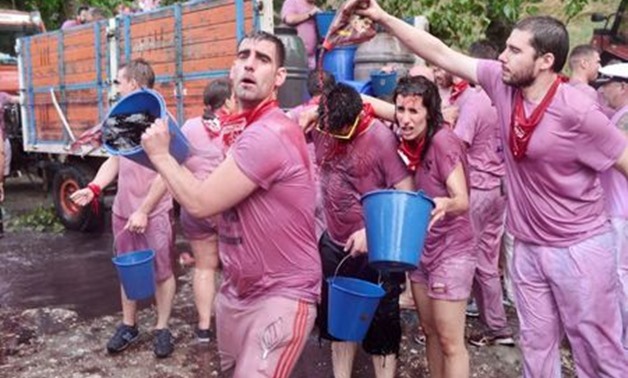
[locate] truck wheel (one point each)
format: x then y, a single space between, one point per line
66 181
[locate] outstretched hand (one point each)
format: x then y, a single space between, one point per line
370 9
82 196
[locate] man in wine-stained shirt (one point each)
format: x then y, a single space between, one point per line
265 195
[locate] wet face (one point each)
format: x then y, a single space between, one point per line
411 116
519 62
442 78
615 93
255 72
123 84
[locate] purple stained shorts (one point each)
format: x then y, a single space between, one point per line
159 236
451 280
197 228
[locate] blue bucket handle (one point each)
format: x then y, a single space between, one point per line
380 282
134 234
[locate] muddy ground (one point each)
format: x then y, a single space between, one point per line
59 306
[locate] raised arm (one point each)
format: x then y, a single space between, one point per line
224 188
422 43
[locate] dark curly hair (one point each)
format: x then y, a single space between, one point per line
427 90
339 107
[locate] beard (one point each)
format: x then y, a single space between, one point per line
521 79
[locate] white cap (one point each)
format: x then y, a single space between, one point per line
612 72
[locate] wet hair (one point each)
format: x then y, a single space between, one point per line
428 91
483 49
580 52
313 82
340 107
215 95
140 71
264 36
549 35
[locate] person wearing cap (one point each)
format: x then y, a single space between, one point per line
556 143
613 82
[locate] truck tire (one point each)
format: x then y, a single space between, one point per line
66 181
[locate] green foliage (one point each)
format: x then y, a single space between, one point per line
41 219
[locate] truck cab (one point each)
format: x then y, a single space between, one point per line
612 39
14 25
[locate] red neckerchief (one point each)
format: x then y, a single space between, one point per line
522 127
366 118
411 152
213 125
457 90
233 125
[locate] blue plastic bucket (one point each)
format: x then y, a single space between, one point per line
352 305
339 62
147 100
323 21
383 83
363 87
136 273
396 227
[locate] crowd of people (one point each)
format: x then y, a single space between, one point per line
498 141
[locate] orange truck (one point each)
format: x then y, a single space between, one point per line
65 81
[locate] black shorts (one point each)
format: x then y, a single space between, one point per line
384 334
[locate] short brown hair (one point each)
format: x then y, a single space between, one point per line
140 71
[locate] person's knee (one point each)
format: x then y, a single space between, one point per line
451 345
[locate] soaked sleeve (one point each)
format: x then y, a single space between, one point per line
599 143
449 152
260 154
391 165
489 73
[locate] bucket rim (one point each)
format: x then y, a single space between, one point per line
150 256
408 192
141 91
330 282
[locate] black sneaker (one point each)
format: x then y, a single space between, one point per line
203 335
125 335
163 346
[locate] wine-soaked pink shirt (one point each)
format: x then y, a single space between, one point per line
554 196
478 126
321 225
134 181
452 236
369 162
267 243
614 183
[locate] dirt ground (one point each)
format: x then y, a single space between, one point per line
44 340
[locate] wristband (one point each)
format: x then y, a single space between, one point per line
97 190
